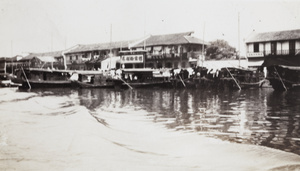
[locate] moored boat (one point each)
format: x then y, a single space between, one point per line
140 78
91 79
283 72
44 78
240 78
8 80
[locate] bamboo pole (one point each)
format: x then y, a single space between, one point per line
233 78
126 83
280 79
26 78
182 81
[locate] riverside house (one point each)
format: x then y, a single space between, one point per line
52 60
280 43
179 50
89 56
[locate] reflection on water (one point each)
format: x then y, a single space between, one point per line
261 117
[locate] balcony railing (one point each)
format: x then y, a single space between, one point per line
164 56
194 54
269 52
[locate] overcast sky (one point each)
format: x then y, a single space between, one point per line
49 25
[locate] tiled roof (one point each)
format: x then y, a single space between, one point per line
195 40
167 39
41 55
274 36
100 46
170 39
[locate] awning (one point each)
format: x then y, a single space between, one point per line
110 63
255 63
282 60
46 58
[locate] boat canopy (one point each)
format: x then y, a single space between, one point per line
138 70
46 58
282 60
291 67
110 63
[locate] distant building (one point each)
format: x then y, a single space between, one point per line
43 60
280 43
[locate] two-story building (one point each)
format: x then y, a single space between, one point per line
179 50
89 56
280 43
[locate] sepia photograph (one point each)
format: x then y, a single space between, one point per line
149 85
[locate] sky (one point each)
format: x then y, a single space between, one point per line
51 25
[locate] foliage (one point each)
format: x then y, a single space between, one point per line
220 49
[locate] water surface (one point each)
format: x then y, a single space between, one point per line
149 129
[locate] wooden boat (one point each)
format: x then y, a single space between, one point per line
283 77
240 78
92 79
44 78
283 71
140 78
201 79
8 80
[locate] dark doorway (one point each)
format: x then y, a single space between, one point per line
273 48
292 47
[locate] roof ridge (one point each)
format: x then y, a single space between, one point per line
90 44
190 32
186 38
278 31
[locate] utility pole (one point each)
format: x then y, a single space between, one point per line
202 59
51 41
11 54
110 53
239 39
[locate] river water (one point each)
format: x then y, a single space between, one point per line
149 129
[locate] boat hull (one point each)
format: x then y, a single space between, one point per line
78 84
160 84
45 84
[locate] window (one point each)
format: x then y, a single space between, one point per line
273 48
256 47
70 58
168 65
76 57
183 65
292 47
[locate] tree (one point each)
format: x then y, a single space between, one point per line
220 49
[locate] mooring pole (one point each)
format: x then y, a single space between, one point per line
280 79
126 83
182 81
233 78
26 78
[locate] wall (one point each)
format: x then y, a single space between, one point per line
250 47
278 47
285 45
268 48
217 64
261 47
298 44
